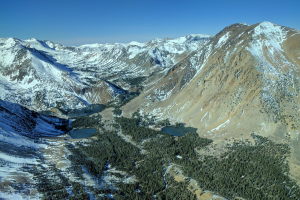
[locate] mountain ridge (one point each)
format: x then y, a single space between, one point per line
71 69
245 81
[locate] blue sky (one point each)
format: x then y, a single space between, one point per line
75 22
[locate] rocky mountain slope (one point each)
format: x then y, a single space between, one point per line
43 74
19 120
244 80
241 66
21 133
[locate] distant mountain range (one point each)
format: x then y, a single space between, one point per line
43 74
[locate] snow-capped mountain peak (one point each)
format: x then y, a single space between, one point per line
41 74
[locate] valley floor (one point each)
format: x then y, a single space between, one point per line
128 160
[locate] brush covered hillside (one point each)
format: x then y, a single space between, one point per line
244 80
196 117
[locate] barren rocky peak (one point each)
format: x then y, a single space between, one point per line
241 59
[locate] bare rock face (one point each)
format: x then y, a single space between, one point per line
103 92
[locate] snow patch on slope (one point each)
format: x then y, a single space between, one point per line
16 139
223 40
272 35
277 71
221 126
21 148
